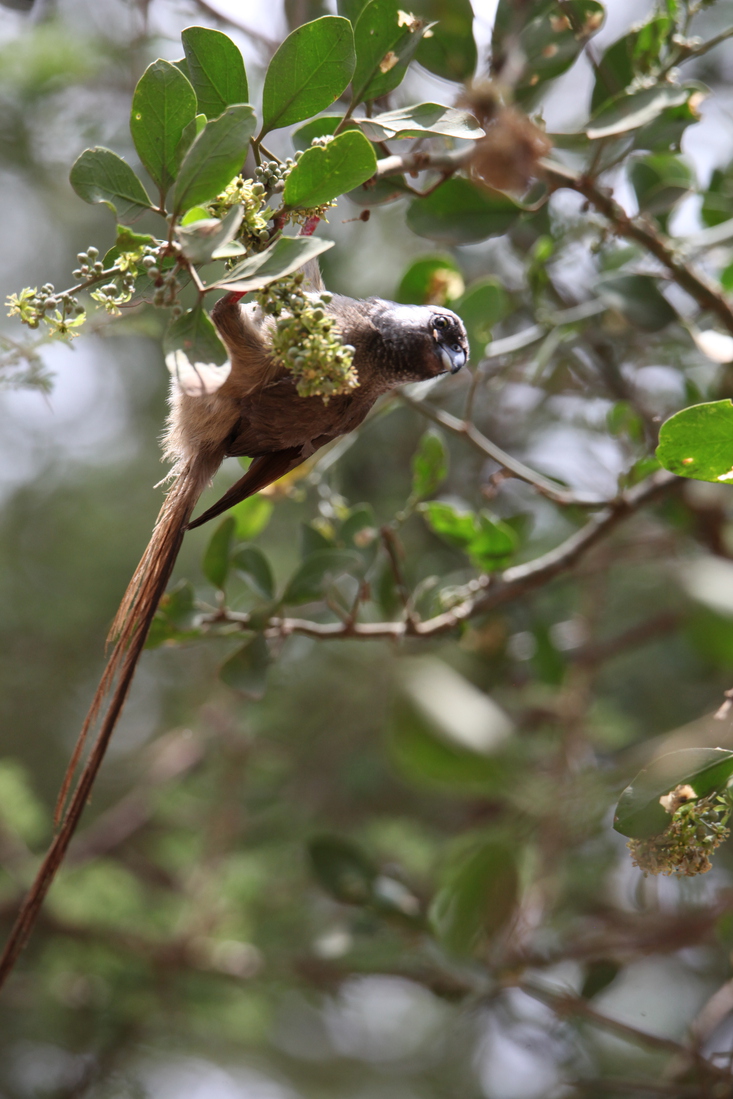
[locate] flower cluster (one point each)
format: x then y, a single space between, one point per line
698 826
307 340
89 264
250 196
271 174
115 293
61 312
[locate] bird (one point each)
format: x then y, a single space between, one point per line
258 413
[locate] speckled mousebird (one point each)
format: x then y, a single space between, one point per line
256 412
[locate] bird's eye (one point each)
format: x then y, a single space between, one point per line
441 322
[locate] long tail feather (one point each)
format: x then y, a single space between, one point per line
128 635
262 472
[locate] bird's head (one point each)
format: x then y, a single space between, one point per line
420 341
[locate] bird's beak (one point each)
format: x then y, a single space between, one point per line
453 357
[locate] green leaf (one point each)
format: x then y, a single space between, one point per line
195 354
216 70
488 542
191 132
717 202
323 126
386 39
427 758
99 175
660 181
342 869
637 297
630 111
664 133
252 516
214 158
457 528
173 619
21 810
450 51
282 258
484 304
163 104
431 280
251 563
206 238
246 671
309 72
216 562
360 531
635 54
429 464
194 334
421 119
458 212
478 898
639 814
493 543
320 569
599 975
324 173
698 442
546 37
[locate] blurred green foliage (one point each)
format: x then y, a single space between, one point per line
355 834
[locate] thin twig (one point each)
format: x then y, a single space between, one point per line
567 1003
490 450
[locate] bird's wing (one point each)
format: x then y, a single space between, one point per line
263 471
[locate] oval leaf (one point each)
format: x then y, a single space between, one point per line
546 38
215 69
698 442
450 51
215 564
251 563
252 516
483 305
215 157
246 671
194 333
309 72
282 258
478 898
99 175
386 39
639 814
317 572
420 119
322 126
459 213
429 464
323 174
342 869
431 280
629 112
163 105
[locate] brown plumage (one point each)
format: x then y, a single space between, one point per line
256 412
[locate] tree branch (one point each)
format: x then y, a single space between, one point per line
484 446
698 286
705 292
481 595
